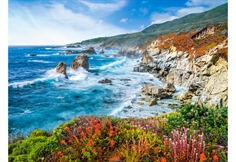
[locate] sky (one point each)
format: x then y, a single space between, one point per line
59 22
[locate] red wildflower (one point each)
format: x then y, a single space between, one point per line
97 132
82 134
83 149
215 158
213 151
108 123
163 159
90 141
59 153
67 128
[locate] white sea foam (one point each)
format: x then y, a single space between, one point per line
113 64
41 61
77 75
48 48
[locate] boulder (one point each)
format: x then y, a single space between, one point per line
186 95
80 61
156 91
89 50
105 81
169 87
152 102
101 51
61 68
147 58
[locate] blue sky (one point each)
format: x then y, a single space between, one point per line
58 22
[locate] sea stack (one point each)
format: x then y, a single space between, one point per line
80 61
61 68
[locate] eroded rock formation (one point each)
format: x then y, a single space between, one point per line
80 61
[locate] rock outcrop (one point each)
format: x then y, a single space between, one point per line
205 76
61 68
105 81
156 91
89 50
131 53
80 61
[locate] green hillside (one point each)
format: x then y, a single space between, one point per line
186 23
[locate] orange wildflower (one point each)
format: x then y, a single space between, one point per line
112 143
213 151
59 153
83 149
97 132
202 157
67 128
163 159
90 141
63 142
79 128
156 150
215 158
82 134
108 123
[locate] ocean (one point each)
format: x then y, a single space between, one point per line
40 98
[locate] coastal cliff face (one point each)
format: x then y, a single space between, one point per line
198 64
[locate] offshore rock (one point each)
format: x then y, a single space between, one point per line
61 68
169 87
105 81
89 50
80 61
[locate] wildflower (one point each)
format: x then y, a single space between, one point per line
215 158
202 157
112 143
90 141
97 132
83 149
79 128
156 150
67 128
59 153
63 142
82 134
163 159
166 143
213 151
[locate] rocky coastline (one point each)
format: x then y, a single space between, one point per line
205 77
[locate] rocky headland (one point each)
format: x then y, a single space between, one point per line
201 67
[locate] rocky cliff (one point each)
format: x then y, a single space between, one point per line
198 64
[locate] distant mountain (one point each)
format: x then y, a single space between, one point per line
146 36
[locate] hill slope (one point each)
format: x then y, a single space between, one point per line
186 23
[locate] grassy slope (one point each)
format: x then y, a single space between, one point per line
186 23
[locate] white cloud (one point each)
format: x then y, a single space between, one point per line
123 20
186 11
142 26
144 11
192 6
210 3
104 7
55 25
158 18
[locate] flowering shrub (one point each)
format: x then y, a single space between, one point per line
194 133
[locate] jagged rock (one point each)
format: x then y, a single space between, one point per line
186 95
80 61
61 68
89 50
105 81
156 91
147 58
101 51
95 73
152 102
169 87
122 52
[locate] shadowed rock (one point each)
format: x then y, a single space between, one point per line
80 61
61 68
104 81
170 87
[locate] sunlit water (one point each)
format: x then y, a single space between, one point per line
41 98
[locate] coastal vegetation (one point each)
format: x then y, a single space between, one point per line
146 36
194 133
